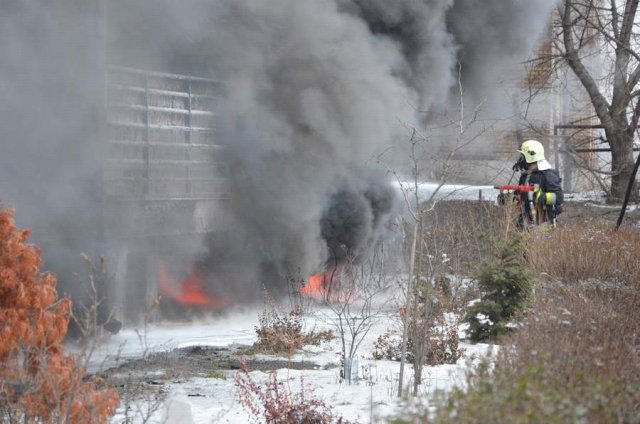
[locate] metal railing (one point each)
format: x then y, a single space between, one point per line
161 137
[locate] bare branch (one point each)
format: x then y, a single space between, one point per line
614 20
600 104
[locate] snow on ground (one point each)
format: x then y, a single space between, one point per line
630 208
587 196
236 327
215 400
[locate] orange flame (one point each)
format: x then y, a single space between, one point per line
188 292
318 286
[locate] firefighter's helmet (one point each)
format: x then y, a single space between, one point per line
532 150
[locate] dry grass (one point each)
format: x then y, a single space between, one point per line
584 324
574 359
282 332
467 232
581 253
585 329
576 354
458 236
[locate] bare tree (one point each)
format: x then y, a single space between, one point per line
593 33
418 298
356 299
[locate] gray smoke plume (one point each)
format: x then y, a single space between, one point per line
494 35
50 131
314 91
311 99
419 32
317 89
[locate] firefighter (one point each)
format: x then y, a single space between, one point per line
544 202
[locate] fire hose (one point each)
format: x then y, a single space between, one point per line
521 189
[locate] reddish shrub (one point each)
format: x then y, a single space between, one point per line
38 381
275 404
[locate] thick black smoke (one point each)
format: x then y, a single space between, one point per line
314 91
354 221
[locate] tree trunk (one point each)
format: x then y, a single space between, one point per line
621 143
405 327
421 323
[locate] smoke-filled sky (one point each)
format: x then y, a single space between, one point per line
317 89
314 91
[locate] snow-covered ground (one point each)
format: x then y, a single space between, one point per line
131 343
215 400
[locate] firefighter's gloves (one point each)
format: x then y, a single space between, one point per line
542 198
